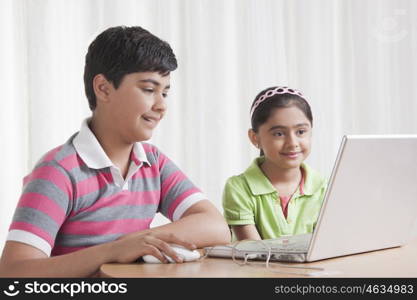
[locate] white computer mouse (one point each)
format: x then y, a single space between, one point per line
185 254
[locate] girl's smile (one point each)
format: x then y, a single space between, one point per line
291 155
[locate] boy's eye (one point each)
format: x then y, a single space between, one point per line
148 90
301 131
164 95
277 133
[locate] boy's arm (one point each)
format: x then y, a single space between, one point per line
202 224
22 260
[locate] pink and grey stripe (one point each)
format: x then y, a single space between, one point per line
71 206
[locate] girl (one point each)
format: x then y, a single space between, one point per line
278 194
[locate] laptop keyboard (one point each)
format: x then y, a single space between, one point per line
295 243
289 249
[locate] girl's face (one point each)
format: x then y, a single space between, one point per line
285 138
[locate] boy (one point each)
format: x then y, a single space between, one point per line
91 200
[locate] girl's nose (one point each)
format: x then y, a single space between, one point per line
292 140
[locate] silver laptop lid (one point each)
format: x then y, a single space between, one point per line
371 200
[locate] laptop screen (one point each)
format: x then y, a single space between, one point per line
371 200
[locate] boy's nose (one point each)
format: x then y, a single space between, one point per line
160 103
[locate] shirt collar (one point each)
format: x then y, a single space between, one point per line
93 155
259 184
313 181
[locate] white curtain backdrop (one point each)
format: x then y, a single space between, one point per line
354 59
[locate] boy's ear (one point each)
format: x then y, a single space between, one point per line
253 137
101 87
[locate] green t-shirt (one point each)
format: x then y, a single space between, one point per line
250 198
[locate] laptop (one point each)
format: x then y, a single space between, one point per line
370 204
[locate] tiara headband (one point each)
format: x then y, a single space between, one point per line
277 91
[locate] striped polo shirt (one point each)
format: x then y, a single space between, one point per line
75 196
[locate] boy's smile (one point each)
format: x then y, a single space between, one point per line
152 120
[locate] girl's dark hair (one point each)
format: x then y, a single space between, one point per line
262 113
121 50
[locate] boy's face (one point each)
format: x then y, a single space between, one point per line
137 105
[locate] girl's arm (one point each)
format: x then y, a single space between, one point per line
246 232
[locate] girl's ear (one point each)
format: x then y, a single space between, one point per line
253 137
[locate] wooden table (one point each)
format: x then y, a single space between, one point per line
394 262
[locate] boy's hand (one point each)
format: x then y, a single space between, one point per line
132 246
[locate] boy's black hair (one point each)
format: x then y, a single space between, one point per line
121 50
